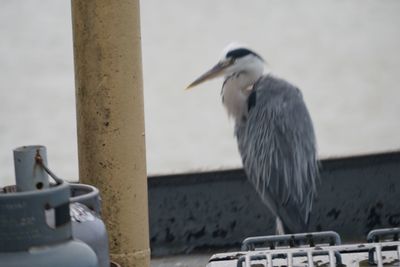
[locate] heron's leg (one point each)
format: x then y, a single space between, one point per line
279 226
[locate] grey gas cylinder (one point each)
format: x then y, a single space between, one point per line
35 230
35 222
87 225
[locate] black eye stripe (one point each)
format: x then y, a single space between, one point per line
240 52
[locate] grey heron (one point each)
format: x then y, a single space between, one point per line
275 135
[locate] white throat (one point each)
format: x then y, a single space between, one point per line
237 88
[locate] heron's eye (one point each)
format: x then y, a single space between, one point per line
229 61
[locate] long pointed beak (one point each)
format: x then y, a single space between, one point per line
214 72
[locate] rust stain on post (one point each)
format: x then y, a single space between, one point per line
110 120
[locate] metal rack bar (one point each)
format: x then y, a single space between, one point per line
311 252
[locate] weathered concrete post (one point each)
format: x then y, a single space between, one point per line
110 120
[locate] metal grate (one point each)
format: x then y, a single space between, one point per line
294 240
381 235
319 249
285 257
299 241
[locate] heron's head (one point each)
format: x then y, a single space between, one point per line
235 59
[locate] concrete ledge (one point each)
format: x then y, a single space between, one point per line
219 209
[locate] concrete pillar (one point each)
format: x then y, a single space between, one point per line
110 120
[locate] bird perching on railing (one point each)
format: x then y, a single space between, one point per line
275 135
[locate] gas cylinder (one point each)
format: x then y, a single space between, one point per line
87 224
35 222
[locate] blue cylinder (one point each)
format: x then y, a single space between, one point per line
35 230
87 225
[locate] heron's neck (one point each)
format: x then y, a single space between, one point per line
235 91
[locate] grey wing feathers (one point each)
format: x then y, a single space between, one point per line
278 149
